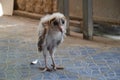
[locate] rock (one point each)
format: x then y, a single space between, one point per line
54 5
47 6
39 6
21 4
30 4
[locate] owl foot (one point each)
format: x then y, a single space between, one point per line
45 69
57 67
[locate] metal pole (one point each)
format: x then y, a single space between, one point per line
66 12
87 20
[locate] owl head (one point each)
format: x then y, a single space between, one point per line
55 22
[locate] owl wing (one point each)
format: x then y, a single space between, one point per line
41 39
42 31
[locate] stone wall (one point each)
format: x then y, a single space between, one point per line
36 6
103 10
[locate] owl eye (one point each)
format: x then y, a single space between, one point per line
62 21
55 23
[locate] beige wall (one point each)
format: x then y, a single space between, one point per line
6 7
76 8
108 10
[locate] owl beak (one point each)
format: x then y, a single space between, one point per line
60 28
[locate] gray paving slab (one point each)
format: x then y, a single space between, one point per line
82 60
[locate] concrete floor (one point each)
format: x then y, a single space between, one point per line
82 59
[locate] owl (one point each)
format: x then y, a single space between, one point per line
51 33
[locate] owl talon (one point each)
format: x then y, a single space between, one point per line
45 69
54 68
57 67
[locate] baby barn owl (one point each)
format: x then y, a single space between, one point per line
51 32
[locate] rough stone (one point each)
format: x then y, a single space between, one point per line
37 6
21 4
82 60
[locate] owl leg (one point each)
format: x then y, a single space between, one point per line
53 61
52 58
45 60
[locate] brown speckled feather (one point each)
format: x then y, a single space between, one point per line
41 40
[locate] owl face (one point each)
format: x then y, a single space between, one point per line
54 22
58 24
